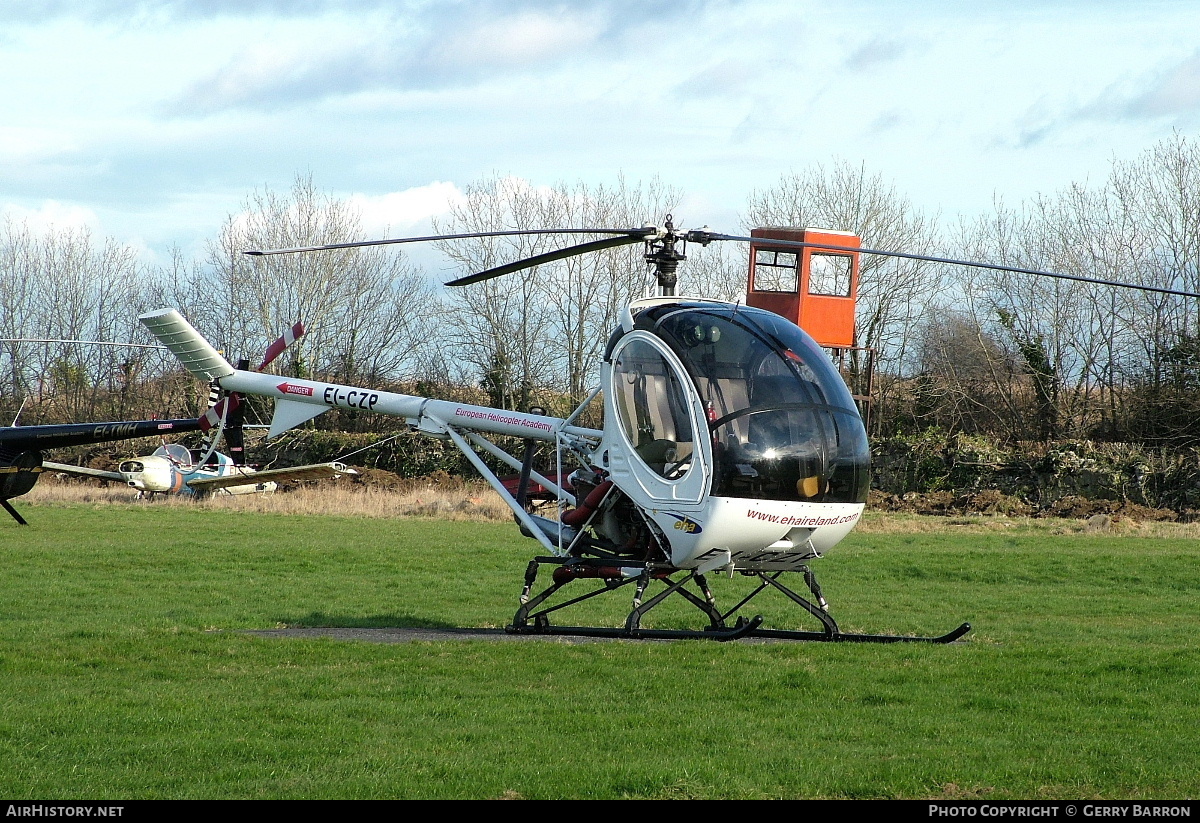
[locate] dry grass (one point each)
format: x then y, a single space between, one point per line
473 502
478 502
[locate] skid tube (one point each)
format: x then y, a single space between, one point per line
616 573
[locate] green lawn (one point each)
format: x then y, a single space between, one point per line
125 673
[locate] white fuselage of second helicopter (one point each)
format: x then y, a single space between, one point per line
170 471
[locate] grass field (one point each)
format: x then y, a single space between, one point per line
127 674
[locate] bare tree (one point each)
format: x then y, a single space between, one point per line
1159 193
18 309
1047 321
893 293
965 377
1098 354
718 271
501 326
544 327
363 308
60 285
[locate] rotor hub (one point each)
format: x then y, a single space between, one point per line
662 254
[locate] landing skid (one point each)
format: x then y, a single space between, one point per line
532 618
16 514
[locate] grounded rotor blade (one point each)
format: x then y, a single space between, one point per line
548 257
638 234
87 342
767 241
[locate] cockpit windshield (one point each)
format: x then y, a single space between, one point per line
174 452
783 423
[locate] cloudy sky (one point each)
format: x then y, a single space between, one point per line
151 120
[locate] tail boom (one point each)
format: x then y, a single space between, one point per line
426 414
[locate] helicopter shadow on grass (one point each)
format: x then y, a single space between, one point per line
320 620
383 628
393 628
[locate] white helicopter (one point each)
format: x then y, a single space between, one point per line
175 469
730 444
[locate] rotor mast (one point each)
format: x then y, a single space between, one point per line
661 252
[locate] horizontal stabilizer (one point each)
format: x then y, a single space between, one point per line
247 477
193 351
289 414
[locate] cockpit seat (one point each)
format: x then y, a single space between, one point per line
665 457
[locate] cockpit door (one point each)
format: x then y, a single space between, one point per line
661 441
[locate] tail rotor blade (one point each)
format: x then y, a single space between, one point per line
280 346
215 415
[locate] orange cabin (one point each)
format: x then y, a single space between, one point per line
814 287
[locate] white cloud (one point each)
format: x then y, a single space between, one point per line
52 214
1176 92
953 101
347 56
519 40
401 211
878 51
32 144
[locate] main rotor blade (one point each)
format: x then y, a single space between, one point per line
767 241
636 233
548 257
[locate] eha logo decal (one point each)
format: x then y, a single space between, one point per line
686 524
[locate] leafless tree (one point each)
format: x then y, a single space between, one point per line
544 327
1159 192
893 293
363 309
61 285
1088 348
1047 321
717 271
967 379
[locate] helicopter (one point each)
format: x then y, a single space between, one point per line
175 469
730 444
21 447
172 468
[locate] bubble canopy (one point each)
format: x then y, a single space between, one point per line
782 422
174 452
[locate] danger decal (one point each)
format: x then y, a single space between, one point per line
293 388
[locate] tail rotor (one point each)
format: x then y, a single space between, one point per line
226 415
281 345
